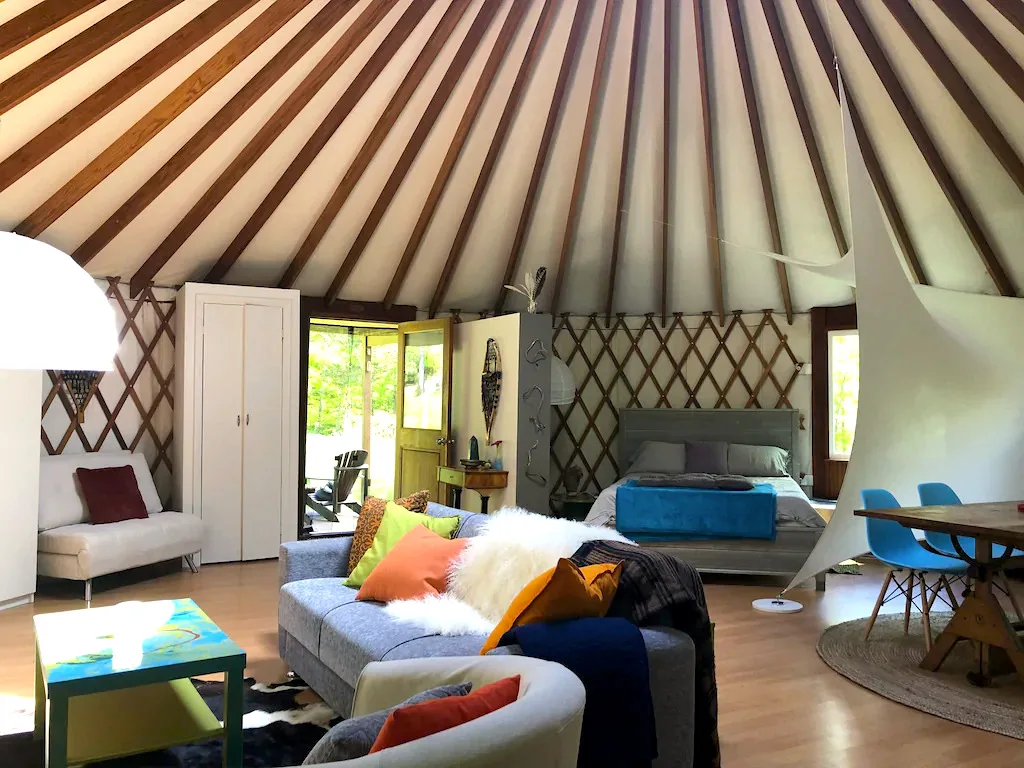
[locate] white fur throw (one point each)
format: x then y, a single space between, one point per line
444 614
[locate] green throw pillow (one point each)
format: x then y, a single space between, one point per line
397 522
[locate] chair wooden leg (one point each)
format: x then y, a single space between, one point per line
878 603
910 602
926 607
949 593
1013 599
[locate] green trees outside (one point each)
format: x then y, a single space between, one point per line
845 374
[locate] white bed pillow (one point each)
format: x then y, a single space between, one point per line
758 460
659 458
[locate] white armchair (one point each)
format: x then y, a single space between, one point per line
540 730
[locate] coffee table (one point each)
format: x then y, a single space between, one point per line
114 681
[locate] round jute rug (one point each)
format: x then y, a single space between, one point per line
888 665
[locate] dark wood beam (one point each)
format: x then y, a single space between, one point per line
987 44
908 112
666 161
803 118
360 162
823 47
497 144
958 88
760 149
38 20
627 145
288 111
1013 10
316 143
582 162
711 208
160 116
476 100
227 115
572 47
154 63
79 49
442 93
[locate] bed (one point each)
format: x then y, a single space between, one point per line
798 525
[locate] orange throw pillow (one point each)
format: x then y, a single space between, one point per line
415 567
369 521
419 720
564 592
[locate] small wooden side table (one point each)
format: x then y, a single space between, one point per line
572 506
483 481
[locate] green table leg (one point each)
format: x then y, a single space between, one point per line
40 714
57 732
233 683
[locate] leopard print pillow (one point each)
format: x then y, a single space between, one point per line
369 521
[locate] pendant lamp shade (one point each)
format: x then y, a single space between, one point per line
52 313
563 386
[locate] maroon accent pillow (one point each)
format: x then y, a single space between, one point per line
111 494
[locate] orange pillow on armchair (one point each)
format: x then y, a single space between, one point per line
416 566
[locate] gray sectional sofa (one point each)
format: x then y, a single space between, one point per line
327 638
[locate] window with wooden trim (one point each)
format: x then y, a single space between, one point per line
843 391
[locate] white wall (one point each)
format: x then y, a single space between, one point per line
19 483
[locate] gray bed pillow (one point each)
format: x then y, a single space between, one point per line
659 458
758 460
353 738
711 458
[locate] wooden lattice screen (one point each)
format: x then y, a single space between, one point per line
131 406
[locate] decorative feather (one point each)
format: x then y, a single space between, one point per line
538 282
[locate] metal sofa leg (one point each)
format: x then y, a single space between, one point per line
819 582
190 559
88 590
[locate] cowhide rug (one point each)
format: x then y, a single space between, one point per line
281 724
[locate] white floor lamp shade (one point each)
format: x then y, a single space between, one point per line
52 314
563 386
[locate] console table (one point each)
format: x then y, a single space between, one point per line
483 481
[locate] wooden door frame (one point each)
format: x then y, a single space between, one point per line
310 308
827 476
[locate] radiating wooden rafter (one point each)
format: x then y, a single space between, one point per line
476 100
803 117
91 42
711 204
227 115
823 47
666 161
926 144
156 61
501 133
555 110
442 93
958 88
627 146
318 140
586 142
161 115
293 105
760 149
38 20
1013 10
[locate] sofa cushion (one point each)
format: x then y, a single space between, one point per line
60 499
430 646
101 549
469 522
303 605
111 494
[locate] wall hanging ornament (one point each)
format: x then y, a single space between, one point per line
531 288
79 386
490 386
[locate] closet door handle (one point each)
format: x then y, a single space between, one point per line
247 419
238 420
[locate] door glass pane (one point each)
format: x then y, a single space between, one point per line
424 363
844 388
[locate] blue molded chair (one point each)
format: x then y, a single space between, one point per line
941 495
897 547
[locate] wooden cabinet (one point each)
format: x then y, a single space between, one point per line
236 417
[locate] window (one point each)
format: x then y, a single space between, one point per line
843 390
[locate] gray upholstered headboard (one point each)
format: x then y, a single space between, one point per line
778 427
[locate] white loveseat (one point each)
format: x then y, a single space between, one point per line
72 548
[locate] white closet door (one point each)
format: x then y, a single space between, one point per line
263 451
221 478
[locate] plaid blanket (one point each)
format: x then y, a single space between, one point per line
657 589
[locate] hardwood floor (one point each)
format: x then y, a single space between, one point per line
779 704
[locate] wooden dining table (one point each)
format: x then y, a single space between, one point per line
979 618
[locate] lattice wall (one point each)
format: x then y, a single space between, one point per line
131 406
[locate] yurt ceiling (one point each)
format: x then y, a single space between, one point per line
649 153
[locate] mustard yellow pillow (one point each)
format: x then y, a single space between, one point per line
564 592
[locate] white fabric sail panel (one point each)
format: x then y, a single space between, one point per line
842 270
940 380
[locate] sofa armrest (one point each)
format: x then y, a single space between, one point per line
314 558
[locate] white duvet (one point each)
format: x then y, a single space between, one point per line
792 506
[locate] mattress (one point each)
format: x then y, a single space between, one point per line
792 507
